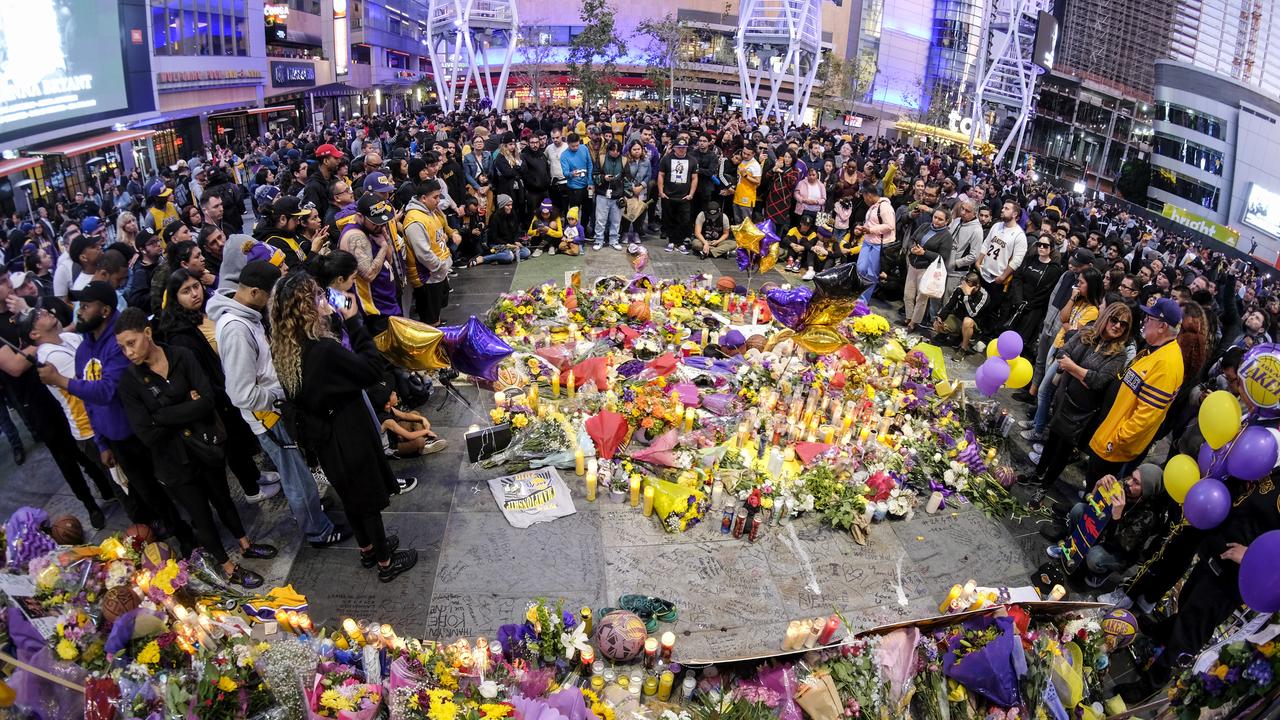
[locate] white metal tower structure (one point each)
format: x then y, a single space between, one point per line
779 41
1006 71
464 35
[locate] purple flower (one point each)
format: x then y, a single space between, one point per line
1213 685
1233 675
1259 671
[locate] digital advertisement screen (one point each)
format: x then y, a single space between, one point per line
1262 210
60 60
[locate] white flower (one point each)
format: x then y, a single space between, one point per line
937 457
488 689
949 477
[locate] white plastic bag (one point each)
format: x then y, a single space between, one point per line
934 280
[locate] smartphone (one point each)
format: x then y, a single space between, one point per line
339 300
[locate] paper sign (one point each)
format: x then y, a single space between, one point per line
532 497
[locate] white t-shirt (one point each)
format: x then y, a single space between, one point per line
62 276
1004 249
62 356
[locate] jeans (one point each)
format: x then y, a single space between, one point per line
1044 394
9 429
869 268
505 257
296 481
741 213
608 216
1097 559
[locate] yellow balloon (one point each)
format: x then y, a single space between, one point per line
748 236
7 695
1019 372
1220 418
893 351
820 339
992 350
1180 473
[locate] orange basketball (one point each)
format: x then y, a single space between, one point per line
140 534
756 341
726 283
67 530
118 601
638 310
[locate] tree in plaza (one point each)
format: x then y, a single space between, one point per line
594 52
843 81
536 50
1135 175
935 103
666 38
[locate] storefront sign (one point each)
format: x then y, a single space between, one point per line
1221 233
292 74
206 78
276 18
964 124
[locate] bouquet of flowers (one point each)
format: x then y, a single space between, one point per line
986 656
338 693
1243 672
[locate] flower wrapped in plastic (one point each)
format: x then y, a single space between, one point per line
987 658
678 507
338 693
660 452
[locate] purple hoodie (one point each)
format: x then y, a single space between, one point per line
99 365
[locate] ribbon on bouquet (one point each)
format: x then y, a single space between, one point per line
938 487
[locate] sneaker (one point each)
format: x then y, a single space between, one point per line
264 492
671 247
339 533
1037 500
684 249
1037 447
1055 551
406 484
247 579
1034 456
260 551
1026 424
1117 598
367 560
1032 435
401 561
808 274
979 346
616 245
97 519
599 244
551 250
537 253
434 446
270 477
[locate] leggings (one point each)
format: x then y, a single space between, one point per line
367 527
194 489
1054 459
70 459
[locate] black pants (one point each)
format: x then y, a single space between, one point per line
430 299
195 489
1054 459
70 459
1099 468
148 502
677 221
993 316
1206 601
1172 560
242 446
560 197
368 529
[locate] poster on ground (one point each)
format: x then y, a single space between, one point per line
533 496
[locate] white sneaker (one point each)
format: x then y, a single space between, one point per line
551 250
434 446
1145 606
979 346
1034 457
537 253
598 245
671 247
264 492
1038 447
1117 598
269 477
616 245
808 274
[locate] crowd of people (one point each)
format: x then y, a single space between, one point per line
224 307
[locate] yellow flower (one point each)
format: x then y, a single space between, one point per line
226 684
766 502
1220 672
150 654
1267 649
334 700
495 711
497 415
447 710
67 649
520 420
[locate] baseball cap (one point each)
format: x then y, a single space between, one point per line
144 238
259 274
158 189
289 205
26 322
96 291
171 230
375 209
328 150
682 143
1082 257
79 245
378 182
265 194
19 278
90 225
1164 309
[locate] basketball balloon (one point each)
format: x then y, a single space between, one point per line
620 636
140 534
638 310
118 601
155 555
726 284
67 530
1120 627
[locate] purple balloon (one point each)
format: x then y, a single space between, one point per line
770 235
1253 454
1207 504
991 375
1009 344
789 306
1259 581
474 349
744 259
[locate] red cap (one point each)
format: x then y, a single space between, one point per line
328 150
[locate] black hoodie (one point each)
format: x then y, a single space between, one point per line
536 171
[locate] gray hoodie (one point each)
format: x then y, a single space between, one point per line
252 384
966 242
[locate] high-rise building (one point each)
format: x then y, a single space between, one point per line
1236 38
1115 43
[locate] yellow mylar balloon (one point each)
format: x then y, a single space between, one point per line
827 310
769 259
820 339
412 344
1220 418
1020 370
936 362
1180 473
748 236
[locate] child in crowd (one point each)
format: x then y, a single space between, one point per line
571 242
408 433
799 246
546 230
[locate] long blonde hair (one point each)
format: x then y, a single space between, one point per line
295 317
123 220
1095 333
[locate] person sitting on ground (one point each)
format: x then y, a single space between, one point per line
799 246
546 229
503 244
959 317
571 243
409 433
711 233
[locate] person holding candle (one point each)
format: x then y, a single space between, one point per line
326 382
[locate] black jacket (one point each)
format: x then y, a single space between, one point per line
316 189
939 244
535 171
161 409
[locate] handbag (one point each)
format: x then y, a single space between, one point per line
634 208
933 283
204 445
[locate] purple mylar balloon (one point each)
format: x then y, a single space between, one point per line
991 375
1259 581
474 349
744 259
789 306
770 235
1207 504
1253 454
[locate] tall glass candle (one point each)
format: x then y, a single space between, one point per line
648 500
579 462
571 387
635 491
665 681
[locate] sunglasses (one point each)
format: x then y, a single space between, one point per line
1043 245
1119 323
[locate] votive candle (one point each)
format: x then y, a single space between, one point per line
688 419
668 642
635 491
579 462
571 387
828 434
648 500
555 384
650 652
352 630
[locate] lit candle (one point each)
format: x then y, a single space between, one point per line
635 491
571 387
499 399
793 634
352 630
591 483
668 642
828 434
725 305
593 466
688 419
650 652
579 460
648 500
555 384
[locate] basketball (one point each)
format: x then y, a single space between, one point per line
140 534
726 284
756 342
155 555
1120 627
620 636
67 530
118 601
